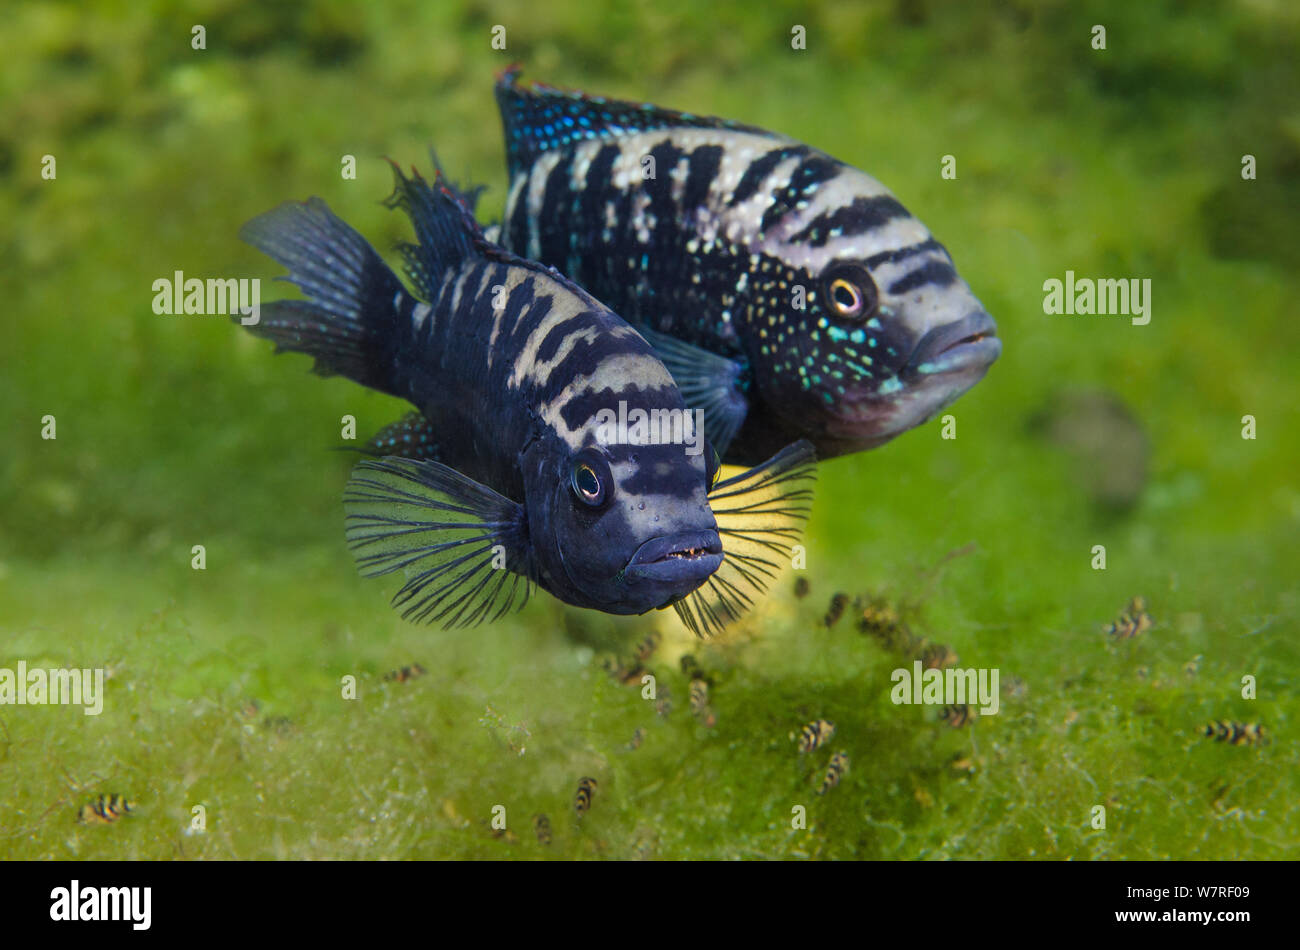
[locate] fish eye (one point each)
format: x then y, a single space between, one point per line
850 292
590 479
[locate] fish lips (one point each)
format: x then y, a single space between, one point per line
946 362
968 346
683 560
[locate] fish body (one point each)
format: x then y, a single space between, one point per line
586 791
814 734
958 715
1236 733
1133 621
835 770
791 295
510 366
105 810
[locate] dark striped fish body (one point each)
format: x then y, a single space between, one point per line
937 656
542 827
958 715
791 295
1236 733
699 703
105 810
1133 621
814 734
836 609
511 477
405 673
646 647
582 800
835 770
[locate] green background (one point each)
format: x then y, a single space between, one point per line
181 430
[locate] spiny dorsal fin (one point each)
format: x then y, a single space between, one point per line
448 234
538 118
446 231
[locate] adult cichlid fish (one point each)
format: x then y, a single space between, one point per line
505 478
790 295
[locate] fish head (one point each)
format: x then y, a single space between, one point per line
889 335
624 528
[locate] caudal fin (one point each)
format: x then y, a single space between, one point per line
348 322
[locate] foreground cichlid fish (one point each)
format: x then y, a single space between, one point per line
510 366
790 295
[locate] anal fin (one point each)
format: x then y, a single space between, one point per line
410 437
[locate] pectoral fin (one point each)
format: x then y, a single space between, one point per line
760 515
707 381
462 547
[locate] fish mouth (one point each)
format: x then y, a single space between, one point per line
688 558
946 362
969 345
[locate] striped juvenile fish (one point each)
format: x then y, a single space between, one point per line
510 366
790 295
105 810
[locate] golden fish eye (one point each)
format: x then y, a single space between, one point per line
846 297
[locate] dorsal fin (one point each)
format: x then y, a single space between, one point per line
447 234
538 118
446 231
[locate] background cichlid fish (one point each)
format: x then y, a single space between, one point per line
699 230
509 365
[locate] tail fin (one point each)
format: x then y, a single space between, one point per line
349 321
